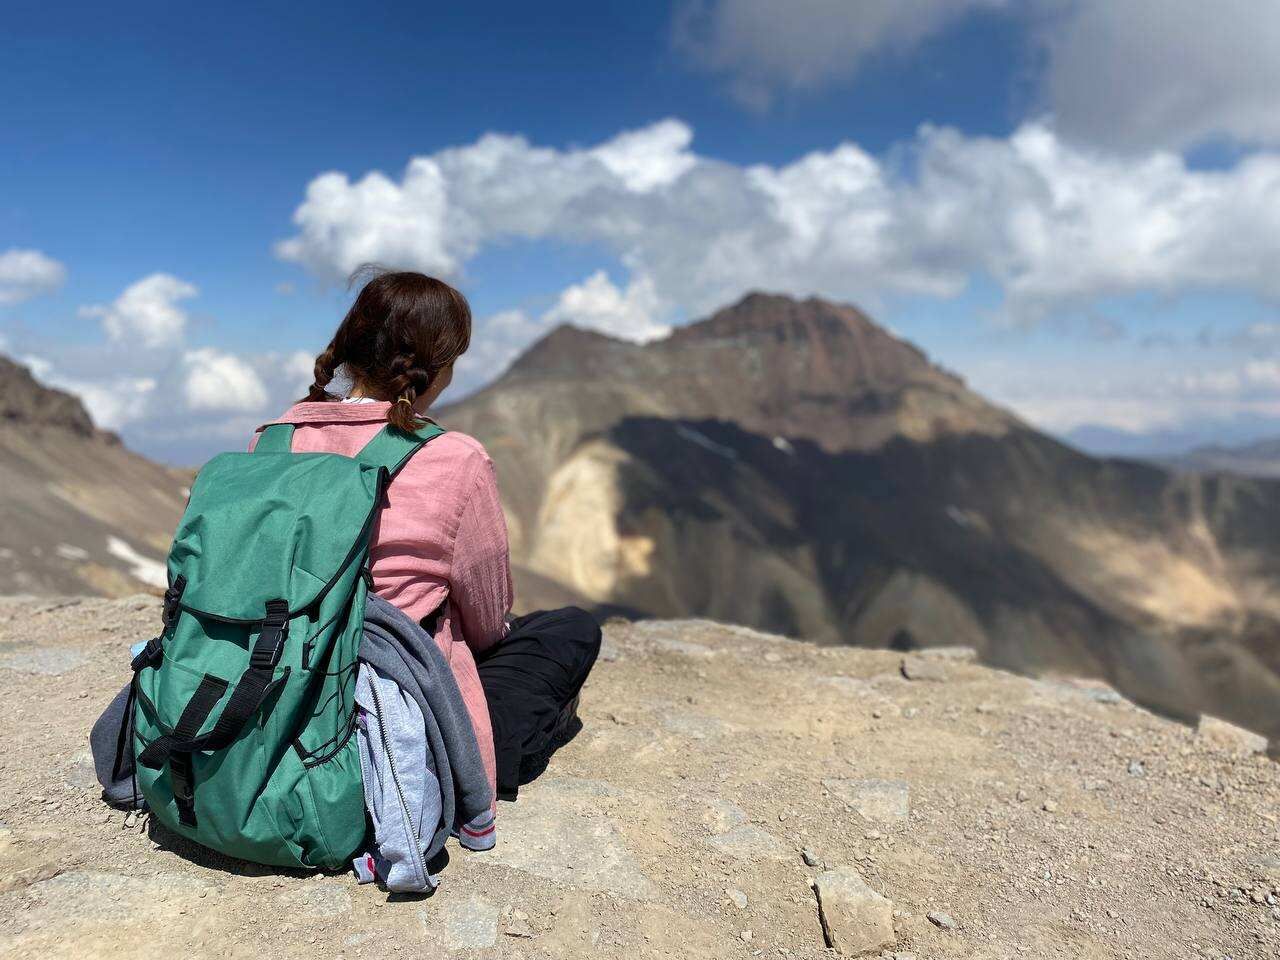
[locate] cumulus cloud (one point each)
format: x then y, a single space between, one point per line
215 380
812 44
28 273
147 312
594 304
173 400
1131 75
112 402
597 304
447 205
1163 72
1055 225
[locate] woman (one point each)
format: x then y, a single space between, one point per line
439 549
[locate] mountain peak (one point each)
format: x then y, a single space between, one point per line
844 348
569 351
24 400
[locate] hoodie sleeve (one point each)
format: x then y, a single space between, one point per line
480 579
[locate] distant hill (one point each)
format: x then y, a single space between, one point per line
1258 459
79 513
793 466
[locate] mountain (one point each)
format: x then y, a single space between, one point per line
79 512
1258 459
720 776
792 466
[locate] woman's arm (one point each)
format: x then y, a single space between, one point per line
480 579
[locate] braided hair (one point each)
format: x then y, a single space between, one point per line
403 330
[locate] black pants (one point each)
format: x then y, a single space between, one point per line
529 679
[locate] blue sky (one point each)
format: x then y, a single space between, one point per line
1077 209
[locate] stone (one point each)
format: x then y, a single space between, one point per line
878 801
959 654
810 857
746 936
942 920
1049 806
518 925
738 898
920 670
721 815
1137 768
562 835
749 842
1228 735
45 661
466 924
855 919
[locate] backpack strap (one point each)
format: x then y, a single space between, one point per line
392 447
277 438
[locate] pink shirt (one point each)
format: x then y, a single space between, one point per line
441 537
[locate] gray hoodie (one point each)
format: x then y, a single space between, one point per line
423 775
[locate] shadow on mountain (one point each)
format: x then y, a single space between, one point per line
1041 558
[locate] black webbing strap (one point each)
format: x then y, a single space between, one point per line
251 690
181 777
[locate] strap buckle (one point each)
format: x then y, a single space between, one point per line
148 655
275 631
173 600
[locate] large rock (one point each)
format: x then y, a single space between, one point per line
855 919
1228 735
878 801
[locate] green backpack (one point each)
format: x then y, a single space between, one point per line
244 713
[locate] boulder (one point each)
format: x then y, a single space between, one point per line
855 919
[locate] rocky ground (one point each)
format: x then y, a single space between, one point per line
724 781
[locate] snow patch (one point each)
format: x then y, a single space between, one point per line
783 444
702 440
151 572
68 551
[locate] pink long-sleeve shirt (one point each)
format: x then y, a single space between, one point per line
439 543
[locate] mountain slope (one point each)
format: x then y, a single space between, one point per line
80 513
791 466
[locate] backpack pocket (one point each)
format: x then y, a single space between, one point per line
316 806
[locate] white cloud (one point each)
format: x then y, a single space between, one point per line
1133 75
651 157
1172 73
215 380
597 304
28 273
447 205
147 311
812 43
111 402
297 369
1055 225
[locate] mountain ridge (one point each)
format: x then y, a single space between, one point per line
791 465
79 512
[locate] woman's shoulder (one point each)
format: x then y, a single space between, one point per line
454 453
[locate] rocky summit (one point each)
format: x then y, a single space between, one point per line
732 794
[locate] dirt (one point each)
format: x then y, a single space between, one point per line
719 772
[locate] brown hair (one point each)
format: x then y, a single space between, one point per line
402 330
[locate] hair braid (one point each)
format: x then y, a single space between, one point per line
325 370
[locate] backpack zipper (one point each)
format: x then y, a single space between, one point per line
395 778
